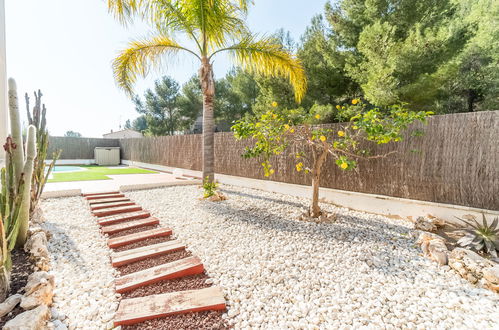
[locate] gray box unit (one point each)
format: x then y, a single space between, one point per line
107 156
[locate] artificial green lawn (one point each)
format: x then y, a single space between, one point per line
94 173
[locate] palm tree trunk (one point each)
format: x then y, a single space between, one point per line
208 88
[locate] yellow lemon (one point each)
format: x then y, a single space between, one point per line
274 104
355 101
317 116
341 133
344 166
323 138
338 107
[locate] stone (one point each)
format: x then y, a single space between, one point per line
469 264
9 304
491 278
218 197
36 246
436 221
38 215
433 247
34 319
424 224
38 291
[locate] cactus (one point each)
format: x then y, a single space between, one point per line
26 193
15 130
11 198
40 175
19 171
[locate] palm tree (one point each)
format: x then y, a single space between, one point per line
213 27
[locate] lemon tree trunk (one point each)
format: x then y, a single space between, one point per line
315 210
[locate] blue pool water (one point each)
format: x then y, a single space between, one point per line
67 168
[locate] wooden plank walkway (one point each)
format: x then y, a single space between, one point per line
108 200
115 213
117 210
113 229
113 219
137 237
110 205
141 253
135 310
180 268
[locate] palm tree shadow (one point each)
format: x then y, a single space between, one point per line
385 258
267 199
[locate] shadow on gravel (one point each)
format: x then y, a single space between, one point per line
268 199
72 254
389 241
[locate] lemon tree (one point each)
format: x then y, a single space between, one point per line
277 129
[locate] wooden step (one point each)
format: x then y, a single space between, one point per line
113 219
135 310
180 268
108 200
101 193
137 237
110 205
141 253
129 225
117 210
89 198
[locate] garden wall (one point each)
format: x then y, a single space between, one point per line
456 161
75 148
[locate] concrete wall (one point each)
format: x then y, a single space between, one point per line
3 80
385 205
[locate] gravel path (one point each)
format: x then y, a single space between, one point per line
84 295
277 272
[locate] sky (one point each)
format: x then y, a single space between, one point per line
66 47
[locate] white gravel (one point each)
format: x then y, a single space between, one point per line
84 295
277 272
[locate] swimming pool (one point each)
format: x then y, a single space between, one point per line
67 169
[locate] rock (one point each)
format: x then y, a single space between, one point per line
433 247
36 246
424 224
9 304
38 216
34 319
469 264
38 291
491 278
58 325
436 221
217 197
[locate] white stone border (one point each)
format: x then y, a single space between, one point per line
371 203
144 186
61 193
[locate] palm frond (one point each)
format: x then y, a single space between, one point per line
124 10
216 20
140 57
266 57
